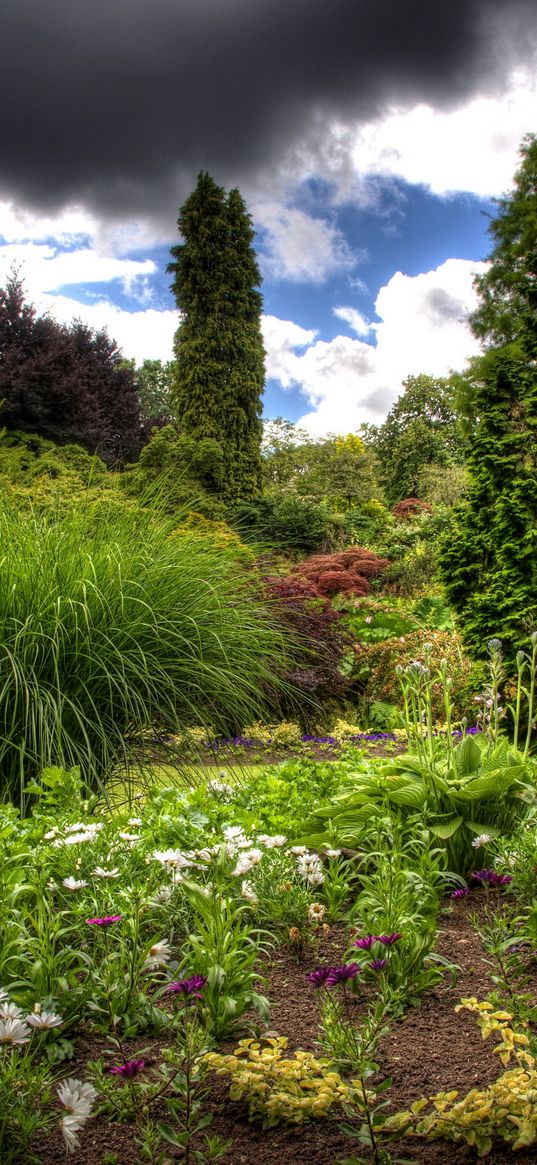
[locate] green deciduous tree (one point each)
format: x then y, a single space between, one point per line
421 429
219 347
489 558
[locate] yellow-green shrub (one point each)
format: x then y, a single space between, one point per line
277 1088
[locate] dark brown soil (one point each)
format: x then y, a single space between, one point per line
429 1049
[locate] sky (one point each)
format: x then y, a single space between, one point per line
369 138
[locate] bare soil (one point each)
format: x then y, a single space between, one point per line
429 1049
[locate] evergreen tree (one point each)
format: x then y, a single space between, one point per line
219 347
489 558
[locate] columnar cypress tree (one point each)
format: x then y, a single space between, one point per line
489 558
219 347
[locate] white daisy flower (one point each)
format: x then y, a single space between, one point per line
247 891
316 912
158 955
481 839
173 858
298 850
43 1020
134 821
247 861
332 853
77 1097
10 1011
73 839
14 1032
310 868
272 842
99 872
72 883
125 836
51 833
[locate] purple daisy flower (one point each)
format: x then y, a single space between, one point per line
366 942
482 875
191 986
342 974
499 879
462 892
108 920
128 1070
388 940
378 964
319 976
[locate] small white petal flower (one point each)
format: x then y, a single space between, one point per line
72 883
73 839
99 872
43 1020
10 1011
247 892
298 850
272 842
481 839
332 853
70 1126
77 1096
125 836
3 995
134 821
316 912
173 858
247 861
159 954
14 1032
51 833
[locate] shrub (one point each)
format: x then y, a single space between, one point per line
297 525
410 508
107 628
321 673
377 662
345 573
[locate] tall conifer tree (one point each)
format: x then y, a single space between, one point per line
219 347
489 558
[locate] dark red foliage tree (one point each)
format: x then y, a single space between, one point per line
410 508
65 383
326 644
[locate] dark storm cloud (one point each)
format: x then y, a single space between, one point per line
117 104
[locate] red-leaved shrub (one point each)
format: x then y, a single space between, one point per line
410 508
345 573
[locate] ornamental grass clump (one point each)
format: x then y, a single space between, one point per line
108 628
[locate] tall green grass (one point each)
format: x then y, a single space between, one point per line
110 624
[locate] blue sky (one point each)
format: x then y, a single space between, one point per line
369 165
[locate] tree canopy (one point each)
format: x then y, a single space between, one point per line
65 383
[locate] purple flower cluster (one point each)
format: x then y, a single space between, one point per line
331 976
369 940
462 892
491 878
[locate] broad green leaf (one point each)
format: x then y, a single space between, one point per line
445 829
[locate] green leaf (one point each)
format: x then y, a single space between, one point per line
445 829
467 756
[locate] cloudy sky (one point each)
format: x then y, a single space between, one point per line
369 138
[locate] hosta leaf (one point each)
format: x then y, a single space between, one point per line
467 756
445 829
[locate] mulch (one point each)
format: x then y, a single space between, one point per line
430 1048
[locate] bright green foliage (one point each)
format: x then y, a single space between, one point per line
488 558
220 354
179 472
339 470
421 429
153 381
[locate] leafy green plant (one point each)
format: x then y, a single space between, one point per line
225 948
